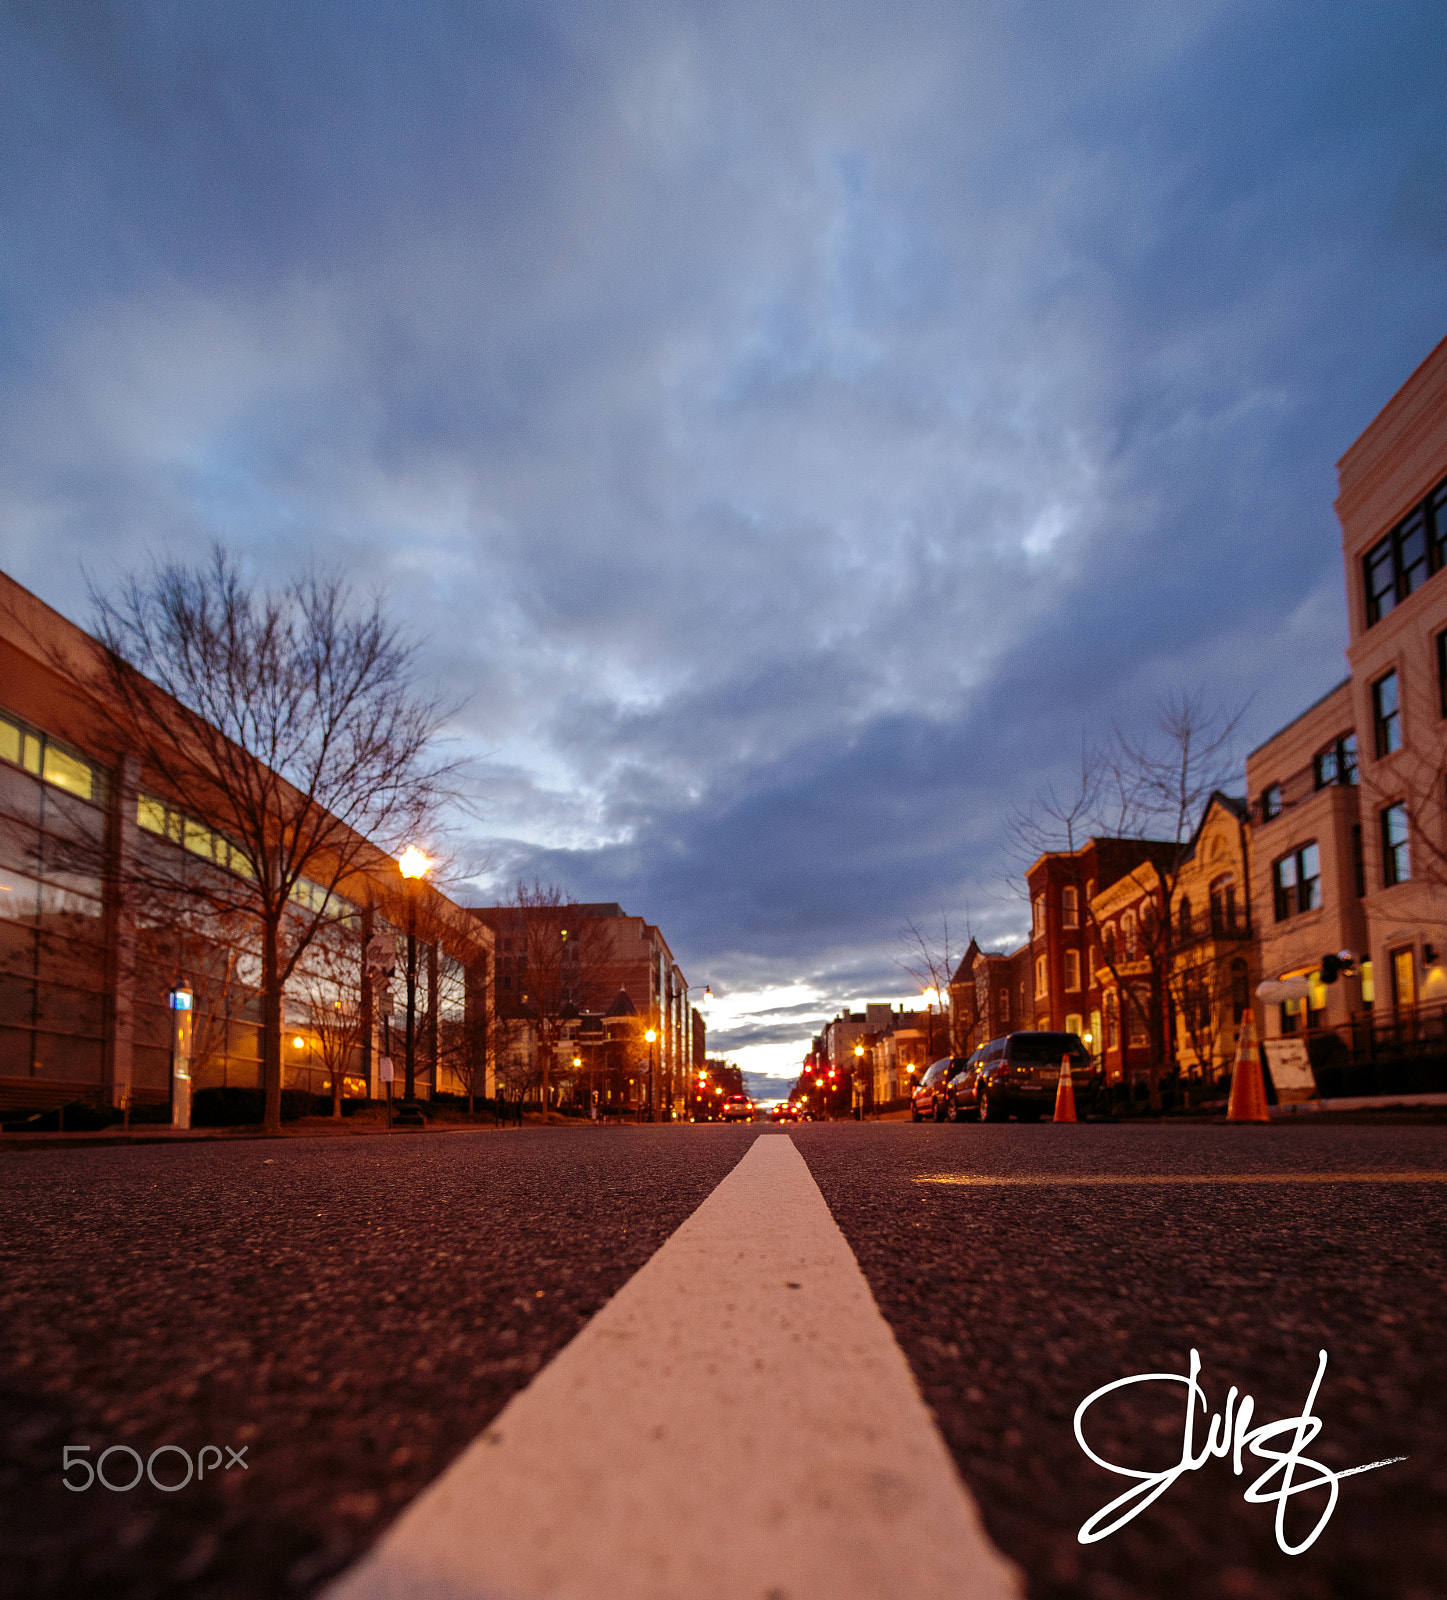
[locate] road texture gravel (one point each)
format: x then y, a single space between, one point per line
349 1312
1013 1303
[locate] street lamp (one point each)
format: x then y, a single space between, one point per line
413 866
651 1035
857 1078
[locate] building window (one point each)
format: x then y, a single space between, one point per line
1112 1022
1127 933
1400 564
40 756
1070 907
1337 763
1271 802
1183 917
1137 1010
1240 990
1042 982
1387 714
1004 1005
1096 1041
1296 880
1223 906
1072 971
1038 916
1075 1024
1396 850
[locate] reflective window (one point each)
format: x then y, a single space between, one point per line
1387 714
1396 846
1296 882
1397 566
38 754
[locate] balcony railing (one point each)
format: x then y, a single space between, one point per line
1210 925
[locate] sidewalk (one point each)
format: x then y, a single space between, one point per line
324 1128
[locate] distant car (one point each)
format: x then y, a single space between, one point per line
931 1098
738 1108
1016 1076
785 1113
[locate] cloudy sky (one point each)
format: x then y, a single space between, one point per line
791 425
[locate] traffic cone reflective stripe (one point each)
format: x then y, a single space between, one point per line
1065 1094
1248 1087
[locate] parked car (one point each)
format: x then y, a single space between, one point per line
931 1097
1016 1076
738 1108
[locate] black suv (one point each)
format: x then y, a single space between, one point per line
1016 1075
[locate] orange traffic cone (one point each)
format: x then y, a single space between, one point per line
1065 1094
1248 1087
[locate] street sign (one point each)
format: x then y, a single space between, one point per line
1290 1068
384 1068
381 954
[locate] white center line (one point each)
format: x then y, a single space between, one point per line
737 1423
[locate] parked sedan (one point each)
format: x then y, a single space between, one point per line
931 1097
1016 1075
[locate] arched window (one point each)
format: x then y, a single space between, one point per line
1128 936
1108 941
1112 1021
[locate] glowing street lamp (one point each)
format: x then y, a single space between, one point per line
651 1035
413 866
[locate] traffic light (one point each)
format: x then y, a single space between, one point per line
1330 968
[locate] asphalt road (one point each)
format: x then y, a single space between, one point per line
1015 1302
353 1312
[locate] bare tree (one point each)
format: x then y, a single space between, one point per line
928 959
331 978
286 721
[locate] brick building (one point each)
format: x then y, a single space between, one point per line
583 957
90 949
1348 801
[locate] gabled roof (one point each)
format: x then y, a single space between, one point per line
622 1006
962 972
1240 809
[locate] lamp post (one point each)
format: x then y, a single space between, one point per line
652 1037
413 866
858 1081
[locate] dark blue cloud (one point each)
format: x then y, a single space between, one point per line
795 427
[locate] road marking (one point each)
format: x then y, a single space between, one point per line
737 1423
1039 1180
